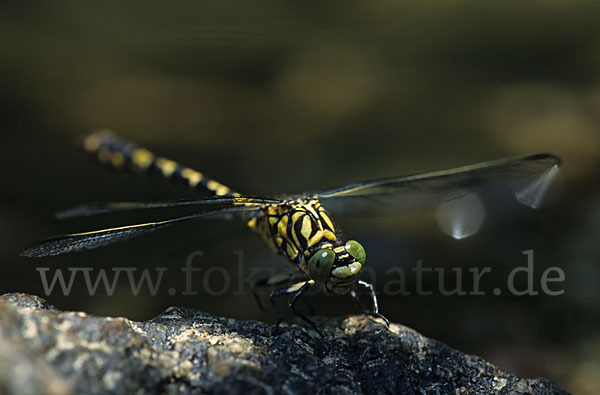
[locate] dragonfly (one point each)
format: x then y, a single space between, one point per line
301 227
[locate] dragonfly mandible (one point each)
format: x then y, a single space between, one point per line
300 227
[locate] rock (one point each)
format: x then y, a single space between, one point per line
45 350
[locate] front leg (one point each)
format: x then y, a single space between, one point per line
272 281
268 282
375 311
296 290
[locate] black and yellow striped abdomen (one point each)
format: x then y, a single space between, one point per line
296 229
118 154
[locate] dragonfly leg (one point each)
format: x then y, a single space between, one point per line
268 282
261 306
374 312
359 303
296 290
294 299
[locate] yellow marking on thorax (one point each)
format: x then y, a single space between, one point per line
282 226
292 251
166 166
329 234
306 229
309 208
319 236
192 176
339 249
315 239
252 223
297 215
326 218
295 218
142 158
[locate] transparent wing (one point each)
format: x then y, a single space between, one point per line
455 194
87 240
109 207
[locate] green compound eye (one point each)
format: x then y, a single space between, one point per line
356 251
320 264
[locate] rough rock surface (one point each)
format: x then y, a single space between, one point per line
45 350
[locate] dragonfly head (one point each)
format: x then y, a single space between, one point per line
338 267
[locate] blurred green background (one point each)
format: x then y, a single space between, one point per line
283 97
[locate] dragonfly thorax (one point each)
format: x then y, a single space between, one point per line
296 229
302 231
